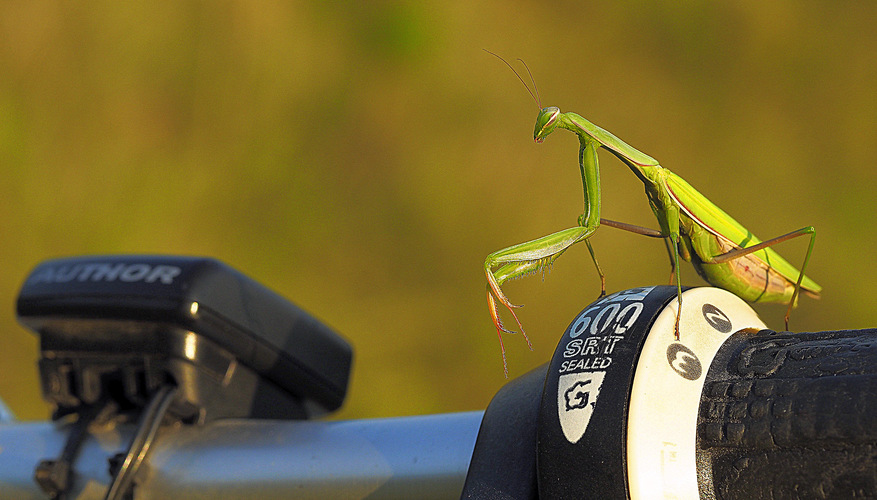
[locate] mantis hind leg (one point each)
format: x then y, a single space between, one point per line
672 244
733 254
644 231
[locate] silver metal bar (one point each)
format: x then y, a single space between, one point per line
6 415
407 457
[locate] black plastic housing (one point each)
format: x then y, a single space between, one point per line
118 327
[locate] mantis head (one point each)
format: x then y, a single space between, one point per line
545 123
547 119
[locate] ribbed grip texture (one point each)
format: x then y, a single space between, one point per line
790 416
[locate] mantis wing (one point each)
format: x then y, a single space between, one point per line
712 218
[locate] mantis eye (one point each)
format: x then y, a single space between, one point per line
545 122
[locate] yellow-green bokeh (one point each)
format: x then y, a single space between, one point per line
363 158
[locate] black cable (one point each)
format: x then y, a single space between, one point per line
55 476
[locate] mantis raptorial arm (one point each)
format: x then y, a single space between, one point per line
589 165
534 256
521 260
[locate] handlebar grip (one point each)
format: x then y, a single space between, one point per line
727 410
790 414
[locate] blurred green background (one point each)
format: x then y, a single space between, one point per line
362 158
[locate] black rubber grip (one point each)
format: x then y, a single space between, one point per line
790 415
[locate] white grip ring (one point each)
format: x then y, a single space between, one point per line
667 385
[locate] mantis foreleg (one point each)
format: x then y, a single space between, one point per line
599 270
520 260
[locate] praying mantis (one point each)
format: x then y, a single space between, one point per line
722 251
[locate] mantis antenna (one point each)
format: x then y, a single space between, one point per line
535 95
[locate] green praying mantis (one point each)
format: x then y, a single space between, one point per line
723 252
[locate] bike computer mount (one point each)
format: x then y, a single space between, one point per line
118 328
